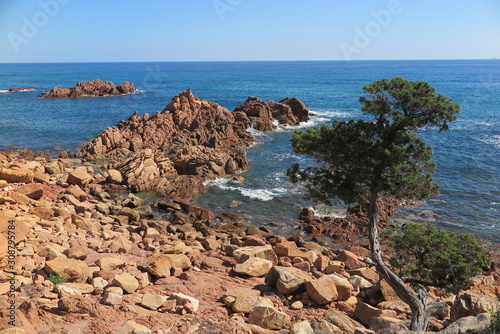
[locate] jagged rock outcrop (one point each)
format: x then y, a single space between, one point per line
192 140
95 87
263 115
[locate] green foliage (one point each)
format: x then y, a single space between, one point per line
494 327
383 155
428 256
495 321
56 279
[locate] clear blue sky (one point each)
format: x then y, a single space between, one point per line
219 30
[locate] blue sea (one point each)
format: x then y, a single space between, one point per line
467 155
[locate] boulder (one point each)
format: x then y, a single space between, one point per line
110 262
42 213
287 280
268 317
13 197
79 177
344 287
114 176
264 252
152 301
388 292
178 260
359 282
322 291
246 303
302 327
254 266
126 281
31 190
322 326
387 325
470 304
366 313
342 321
20 175
350 259
470 324
70 269
157 265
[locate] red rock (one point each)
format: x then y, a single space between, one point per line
31 190
322 291
173 152
22 175
95 87
20 89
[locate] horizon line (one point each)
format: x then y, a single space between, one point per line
243 61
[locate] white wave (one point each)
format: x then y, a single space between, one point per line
336 113
4 90
484 123
313 121
493 140
328 212
260 194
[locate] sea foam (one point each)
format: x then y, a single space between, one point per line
253 193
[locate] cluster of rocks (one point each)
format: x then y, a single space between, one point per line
20 89
345 226
175 151
95 87
92 258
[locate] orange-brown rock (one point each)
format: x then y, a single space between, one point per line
95 87
192 140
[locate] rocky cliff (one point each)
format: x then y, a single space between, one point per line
192 140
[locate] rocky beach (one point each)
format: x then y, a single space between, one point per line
80 252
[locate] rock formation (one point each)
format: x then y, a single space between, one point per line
20 89
263 115
95 87
189 142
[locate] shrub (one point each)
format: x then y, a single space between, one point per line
428 256
56 279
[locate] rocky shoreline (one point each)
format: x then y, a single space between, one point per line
92 257
95 87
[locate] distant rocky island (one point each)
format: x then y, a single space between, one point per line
95 87
20 89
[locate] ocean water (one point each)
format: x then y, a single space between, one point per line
467 155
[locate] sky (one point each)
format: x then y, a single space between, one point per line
247 30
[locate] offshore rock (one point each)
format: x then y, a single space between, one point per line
95 87
262 115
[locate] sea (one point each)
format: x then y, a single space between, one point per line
467 154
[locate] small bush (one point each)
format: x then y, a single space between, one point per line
495 322
56 279
428 256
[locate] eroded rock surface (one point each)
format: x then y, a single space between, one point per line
192 140
95 87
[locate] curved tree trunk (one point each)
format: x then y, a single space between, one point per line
415 299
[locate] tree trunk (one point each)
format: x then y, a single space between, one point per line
415 299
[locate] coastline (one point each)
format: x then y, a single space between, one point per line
120 261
